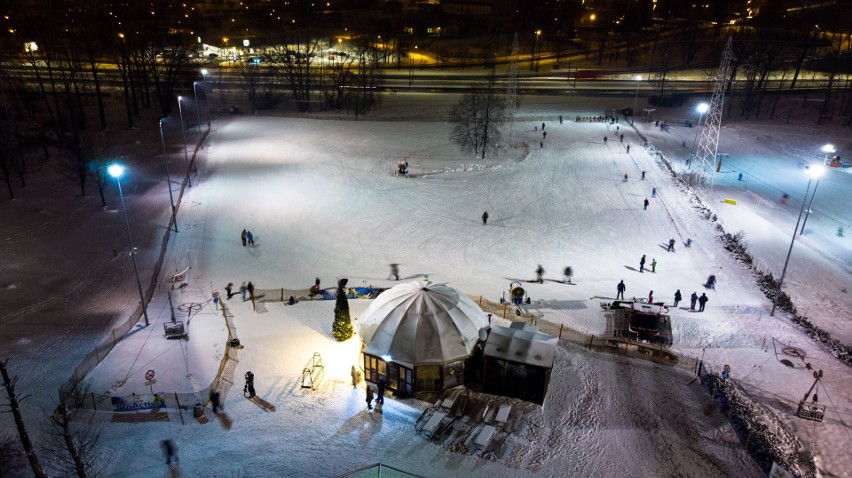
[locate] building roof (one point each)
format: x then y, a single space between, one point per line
421 323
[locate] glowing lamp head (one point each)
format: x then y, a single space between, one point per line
204 72
180 98
702 108
115 170
815 171
828 148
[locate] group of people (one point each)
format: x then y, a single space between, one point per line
379 394
539 274
246 290
693 299
642 264
247 237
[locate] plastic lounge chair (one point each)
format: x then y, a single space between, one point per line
503 414
434 423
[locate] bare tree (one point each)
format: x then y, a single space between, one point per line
477 118
74 448
14 407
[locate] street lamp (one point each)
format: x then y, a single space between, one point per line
206 98
410 73
828 149
638 79
197 109
533 63
116 171
701 109
168 177
183 133
814 171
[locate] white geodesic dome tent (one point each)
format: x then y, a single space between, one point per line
417 334
422 323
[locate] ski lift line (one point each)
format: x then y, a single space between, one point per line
130 370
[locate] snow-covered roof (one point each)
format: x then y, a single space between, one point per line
421 323
524 345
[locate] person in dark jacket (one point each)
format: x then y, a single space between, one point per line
692 300
380 398
250 290
678 297
215 400
485 218
248 389
369 398
229 289
645 203
671 245
539 271
642 263
651 297
621 288
701 301
169 450
244 236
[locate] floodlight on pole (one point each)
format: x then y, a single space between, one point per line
116 171
816 171
183 133
204 73
168 176
197 109
813 171
638 79
828 149
701 109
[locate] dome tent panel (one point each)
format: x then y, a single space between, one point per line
422 323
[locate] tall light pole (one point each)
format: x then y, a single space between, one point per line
183 133
816 171
533 63
206 98
638 79
828 149
701 109
168 177
197 109
410 73
813 171
116 171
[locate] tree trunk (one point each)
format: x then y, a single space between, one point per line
38 472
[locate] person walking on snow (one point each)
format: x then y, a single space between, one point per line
369 398
677 297
701 301
653 192
229 289
651 297
671 245
243 290
394 271
642 263
243 236
380 397
625 177
653 265
250 289
250 237
604 139
646 204
539 271
170 451
215 400
544 135
354 374
568 273
692 300
643 175
248 389
485 218
621 288
628 149
542 126
711 282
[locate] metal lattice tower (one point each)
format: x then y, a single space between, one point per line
709 143
512 91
